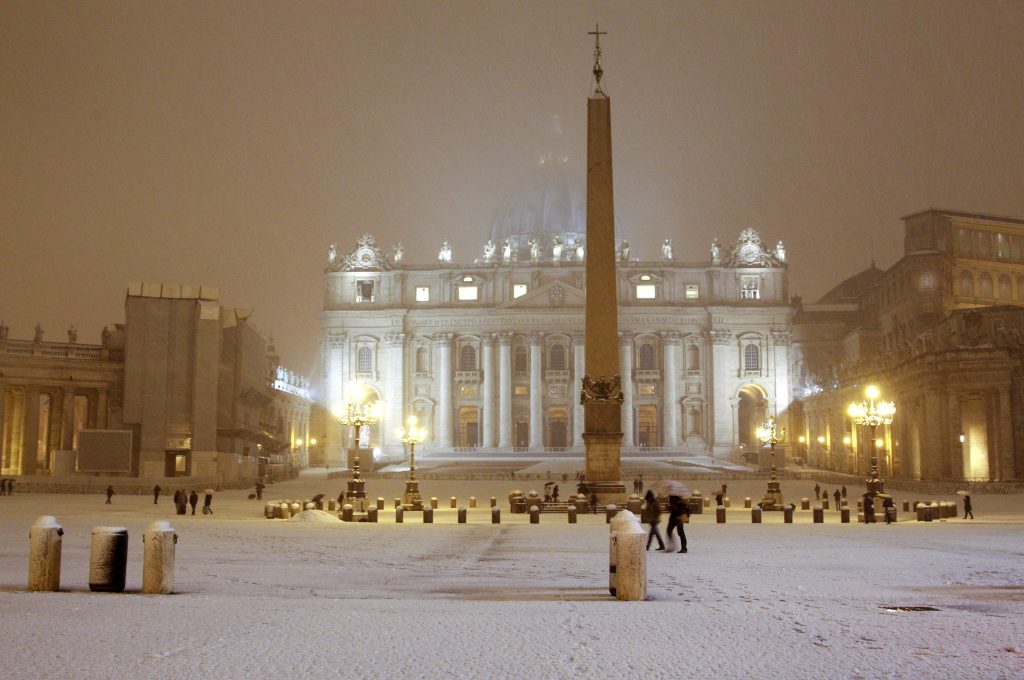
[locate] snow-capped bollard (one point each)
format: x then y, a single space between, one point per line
371 514
319 504
614 523
844 514
572 514
462 515
380 502
824 504
805 503
454 502
44 538
268 511
347 512
433 502
398 501
494 501
428 515
281 511
610 511
720 514
108 559
630 559
581 504
755 515
472 501
160 540
295 509
819 514
787 514
309 506
399 514
707 501
747 503
495 515
726 502
534 514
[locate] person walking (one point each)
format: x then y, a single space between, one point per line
3 487
888 509
554 494
843 491
193 500
837 496
677 511
640 484
207 502
10 486
259 491
110 494
652 515
156 494
869 510
593 503
968 510
817 491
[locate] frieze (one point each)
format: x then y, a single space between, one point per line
335 340
721 337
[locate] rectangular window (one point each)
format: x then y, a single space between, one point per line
468 293
749 288
364 291
468 390
646 390
422 294
519 290
646 291
521 390
692 291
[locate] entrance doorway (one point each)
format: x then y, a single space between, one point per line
647 425
753 407
177 463
558 427
469 427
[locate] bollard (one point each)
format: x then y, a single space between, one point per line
310 506
472 501
399 514
44 549
380 502
294 509
581 504
787 514
609 511
707 501
572 514
890 515
860 518
819 514
746 503
906 506
805 504
433 502
755 515
495 514
319 504
281 511
633 504
371 514
534 514
462 515
158 558
108 559
494 502
268 511
630 559
454 504
398 502
726 502
428 515
332 505
844 514
824 503
617 522
346 512
720 514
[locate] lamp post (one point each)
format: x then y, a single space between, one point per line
770 435
873 413
357 414
412 436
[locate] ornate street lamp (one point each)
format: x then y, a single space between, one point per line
769 435
357 414
873 413
412 436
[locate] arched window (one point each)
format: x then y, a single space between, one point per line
556 357
751 358
421 360
645 357
966 285
467 358
364 360
520 363
985 286
693 358
1005 288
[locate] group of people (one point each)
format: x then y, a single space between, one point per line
838 496
6 486
678 514
182 499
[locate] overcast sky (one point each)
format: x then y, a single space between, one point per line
229 143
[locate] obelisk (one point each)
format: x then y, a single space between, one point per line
601 393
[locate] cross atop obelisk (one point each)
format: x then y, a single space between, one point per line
601 393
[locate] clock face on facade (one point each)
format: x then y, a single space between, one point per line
365 257
749 252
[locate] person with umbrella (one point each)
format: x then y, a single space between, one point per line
208 502
678 512
652 515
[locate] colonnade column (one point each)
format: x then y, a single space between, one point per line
102 406
505 391
30 432
395 395
578 371
723 346
3 427
536 394
626 366
670 341
443 344
490 431
67 421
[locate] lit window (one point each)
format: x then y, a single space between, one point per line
646 291
645 277
749 288
468 293
467 279
926 281
522 390
519 290
422 294
647 390
692 291
468 390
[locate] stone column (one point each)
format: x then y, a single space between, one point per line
670 342
443 345
30 432
505 391
3 427
536 393
578 372
723 356
490 403
395 393
67 420
626 361
102 407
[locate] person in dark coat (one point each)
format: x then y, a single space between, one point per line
259 491
718 499
156 494
836 495
887 506
3 487
968 510
207 504
193 500
869 510
817 492
593 503
554 494
10 487
110 494
677 509
843 491
652 515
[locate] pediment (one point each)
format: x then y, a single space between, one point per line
551 295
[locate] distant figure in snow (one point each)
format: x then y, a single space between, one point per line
259 491
3 487
156 494
652 515
837 496
193 500
888 508
640 483
968 510
718 499
677 510
843 490
817 491
593 503
208 503
869 510
554 494
110 494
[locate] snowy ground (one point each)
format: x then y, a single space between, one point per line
269 598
